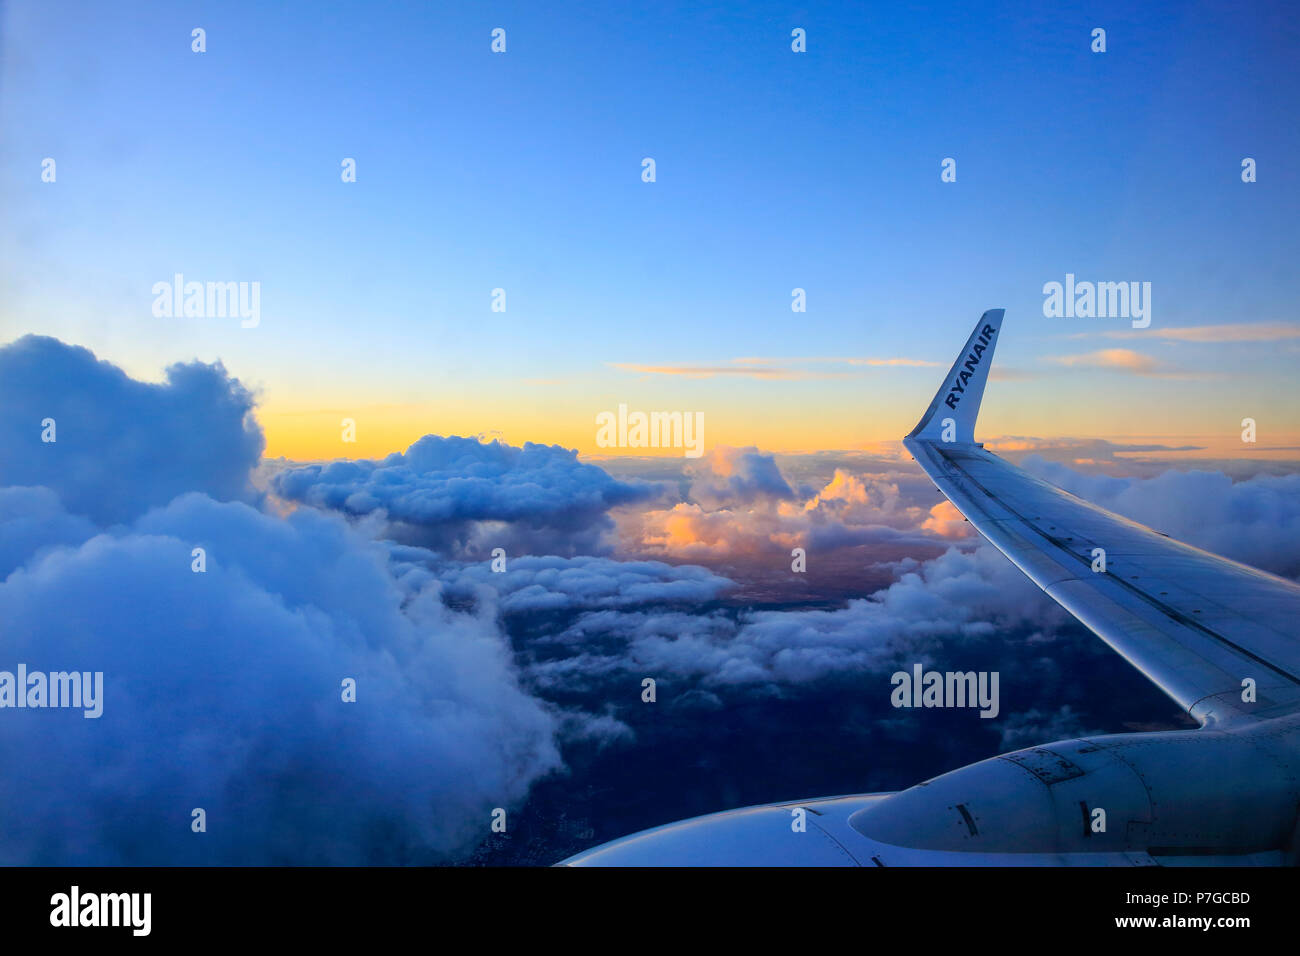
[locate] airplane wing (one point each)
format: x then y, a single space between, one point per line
1200 626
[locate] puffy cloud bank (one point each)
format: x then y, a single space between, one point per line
471 496
223 689
739 504
729 476
122 446
32 520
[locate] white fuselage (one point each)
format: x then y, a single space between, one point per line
1214 795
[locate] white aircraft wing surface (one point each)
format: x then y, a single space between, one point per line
1217 636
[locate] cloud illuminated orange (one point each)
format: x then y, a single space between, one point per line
1125 360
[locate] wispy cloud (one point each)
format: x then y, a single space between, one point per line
918 363
772 368
809 360
1091 450
1003 374
707 371
1236 332
1123 360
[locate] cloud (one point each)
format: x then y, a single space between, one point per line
222 691
957 594
1036 727
930 610
1081 449
1124 360
33 520
1235 332
947 522
688 531
472 496
551 583
837 360
600 731
772 368
729 476
890 362
731 499
122 445
1256 520
705 371
1003 373
740 504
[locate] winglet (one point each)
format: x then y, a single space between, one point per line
958 399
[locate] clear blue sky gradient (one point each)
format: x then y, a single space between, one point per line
522 171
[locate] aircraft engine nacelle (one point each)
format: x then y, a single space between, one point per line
1190 793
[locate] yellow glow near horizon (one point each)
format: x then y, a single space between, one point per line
305 434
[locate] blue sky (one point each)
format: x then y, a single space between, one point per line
774 170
